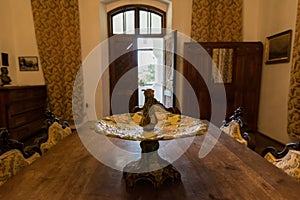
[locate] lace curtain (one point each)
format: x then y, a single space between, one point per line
293 127
58 38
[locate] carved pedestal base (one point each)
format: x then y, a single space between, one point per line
157 177
151 167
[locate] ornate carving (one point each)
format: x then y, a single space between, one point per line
164 170
50 119
238 117
150 157
281 153
157 177
150 100
7 144
149 119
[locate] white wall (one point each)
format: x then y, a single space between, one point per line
7 36
17 38
262 19
250 20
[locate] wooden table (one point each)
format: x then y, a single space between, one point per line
229 171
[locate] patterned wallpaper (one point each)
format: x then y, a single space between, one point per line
293 127
217 21
58 38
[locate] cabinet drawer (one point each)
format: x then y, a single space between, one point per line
27 117
18 95
26 130
39 93
28 105
20 132
22 109
27 93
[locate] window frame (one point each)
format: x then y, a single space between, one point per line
136 9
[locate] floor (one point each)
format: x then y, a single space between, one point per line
262 141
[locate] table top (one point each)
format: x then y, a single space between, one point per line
229 171
169 126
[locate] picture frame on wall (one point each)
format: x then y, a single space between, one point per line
278 48
28 63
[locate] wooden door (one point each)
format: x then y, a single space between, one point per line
242 91
123 73
170 41
222 87
195 70
248 71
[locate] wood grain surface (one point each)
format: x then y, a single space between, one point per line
229 171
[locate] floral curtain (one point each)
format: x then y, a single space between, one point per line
293 126
217 20
57 32
222 58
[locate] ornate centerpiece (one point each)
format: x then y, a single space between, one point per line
149 119
150 155
155 122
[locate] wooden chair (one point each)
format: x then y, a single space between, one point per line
13 156
236 127
56 133
287 159
233 129
53 132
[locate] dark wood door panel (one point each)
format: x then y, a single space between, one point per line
244 89
123 73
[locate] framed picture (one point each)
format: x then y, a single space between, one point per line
29 63
4 57
278 48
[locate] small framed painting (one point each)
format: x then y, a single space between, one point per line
278 48
28 63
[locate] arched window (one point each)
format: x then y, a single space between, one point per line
136 19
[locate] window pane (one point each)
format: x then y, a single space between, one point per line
150 67
150 43
144 22
155 24
129 21
118 24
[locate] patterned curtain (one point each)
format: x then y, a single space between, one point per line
222 58
293 127
217 20
57 32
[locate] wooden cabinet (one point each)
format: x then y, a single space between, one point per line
242 89
22 109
